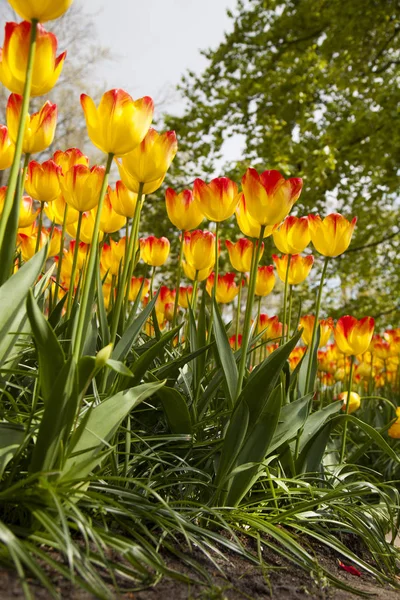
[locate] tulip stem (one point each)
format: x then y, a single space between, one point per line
40 226
239 302
290 310
285 297
91 265
214 289
61 253
15 168
343 448
249 307
153 272
178 278
314 331
131 259
74 264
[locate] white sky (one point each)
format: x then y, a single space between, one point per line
155 41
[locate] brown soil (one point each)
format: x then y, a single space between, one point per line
238 580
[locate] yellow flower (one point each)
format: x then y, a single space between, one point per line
81 187
154 251
123 200
240 254
307 324
7 149
119 123
218 199
40 10
299 268
199 249
293 235
43 180
331 236
68 159
265 280
14 57
56 209
355 401
352 336
40 127
226 290
182 210
110 220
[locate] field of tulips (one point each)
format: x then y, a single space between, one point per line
138 419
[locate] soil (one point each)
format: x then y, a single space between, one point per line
238 580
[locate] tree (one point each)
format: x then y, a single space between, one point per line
308 87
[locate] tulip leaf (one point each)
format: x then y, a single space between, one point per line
314 366
317 420
11 438
175 409
226 355
140 366
291 419
50 354
131 333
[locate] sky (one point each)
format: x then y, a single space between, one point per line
154 42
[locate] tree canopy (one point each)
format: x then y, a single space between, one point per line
310 87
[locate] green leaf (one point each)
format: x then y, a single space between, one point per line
104 328
226 355
130 335
316 421
11 437
50 354
291 420
310 459
119 367
141 365
175 409
57 420
373 434
103 421
255 446
314 366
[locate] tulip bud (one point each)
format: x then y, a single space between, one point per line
148 163
68 159
247 225
240 254
354 404
269 196
40 126
14 58
56 209
123 200
218 199
27 213
352 336
307 324
182 210
331 236
134 288
81 187
103 355
293 236
394 429
112 256
185 296
119 123
299 267
199 249
154 251
265 280
43 180
226 289
7 149
270 326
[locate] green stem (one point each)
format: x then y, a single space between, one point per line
39 231
249 308
290 310
178 278
285 297
74 264
91 265
214 289
314 331
12 180
343 448
128 266
153 272
61 253
239 302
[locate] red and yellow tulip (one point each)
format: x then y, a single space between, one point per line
299 267
154 251
352 336
331 236
293 236
40 127
218 199
182 210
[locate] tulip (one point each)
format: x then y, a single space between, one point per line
27 214
43 180
14 58
226 288
110 221
55 211
235 341
299 267
293 235
40 10
240 254
120 123
271 326
68 159
40 126
112 256
154 251
67 263
7 149
81 187
182 210
148 163
164 299
199 249
123 200
331 236
307 324
28 244
295 356
394 429
269 196
247 225
185 296
265 280
196 274
353 336
218 199
354 404
87 228
135 286
54 242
